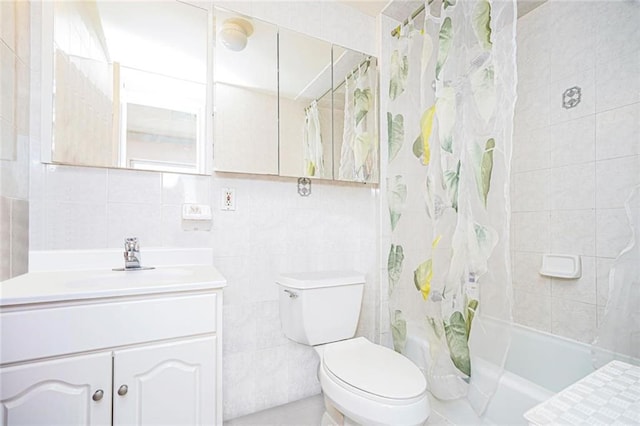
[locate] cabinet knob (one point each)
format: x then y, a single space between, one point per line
122 390
97 395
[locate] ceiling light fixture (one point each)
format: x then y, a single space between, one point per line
235 32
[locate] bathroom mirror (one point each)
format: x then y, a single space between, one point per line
305 106
130 85
355 116
289 104
245 94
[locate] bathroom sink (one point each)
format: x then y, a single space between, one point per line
38 287
133 277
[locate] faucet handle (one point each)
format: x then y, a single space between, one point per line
131 244
131 253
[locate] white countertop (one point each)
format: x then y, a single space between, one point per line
53 286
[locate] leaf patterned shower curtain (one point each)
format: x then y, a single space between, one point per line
359 154
313 154
451 97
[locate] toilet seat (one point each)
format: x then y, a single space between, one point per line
374 369
373 384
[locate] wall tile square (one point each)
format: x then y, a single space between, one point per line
270 372
238 384
133 220
129 186
572 232
580 290
75 184
533 231
613 232
533 54
75 226
532 310
573 142
526 273
616 179
175 233
603 267
302 367
533 107
617 30
571 50
186 189
575 320
269 330
573 187
617 82
618 132
240 328
530 149
530 191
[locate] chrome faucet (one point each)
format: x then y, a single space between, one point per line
131 253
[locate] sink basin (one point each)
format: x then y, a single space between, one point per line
134 277
51 286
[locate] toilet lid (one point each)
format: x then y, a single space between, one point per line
374 369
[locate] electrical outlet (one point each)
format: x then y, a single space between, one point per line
228 199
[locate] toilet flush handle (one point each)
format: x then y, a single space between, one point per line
292 294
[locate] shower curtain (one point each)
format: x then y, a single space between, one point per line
450 105
313 156
618 336
359 154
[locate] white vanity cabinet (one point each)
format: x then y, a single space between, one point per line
57 392
165 384
148 358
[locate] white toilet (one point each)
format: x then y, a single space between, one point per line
363 383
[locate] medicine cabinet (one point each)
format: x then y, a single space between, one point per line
126 85
289 104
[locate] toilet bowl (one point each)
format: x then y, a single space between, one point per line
370 384
363 383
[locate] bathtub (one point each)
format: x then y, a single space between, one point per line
538 365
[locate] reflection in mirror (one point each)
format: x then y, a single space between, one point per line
246 94
130 85
355 129
305 106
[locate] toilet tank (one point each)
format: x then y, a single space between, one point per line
320 307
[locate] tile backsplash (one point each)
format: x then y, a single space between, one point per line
573 168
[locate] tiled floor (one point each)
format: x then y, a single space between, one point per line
306 412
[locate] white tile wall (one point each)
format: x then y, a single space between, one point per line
584 159
272 230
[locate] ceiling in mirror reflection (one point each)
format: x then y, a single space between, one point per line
123 65
253 67
163 37
306 71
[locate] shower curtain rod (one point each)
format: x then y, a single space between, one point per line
396 31
333 89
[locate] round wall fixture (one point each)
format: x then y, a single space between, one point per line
235 32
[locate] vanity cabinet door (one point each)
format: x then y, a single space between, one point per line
68 391
166 384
